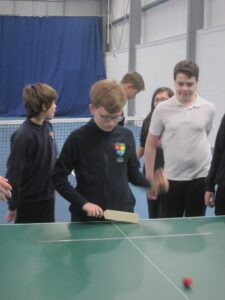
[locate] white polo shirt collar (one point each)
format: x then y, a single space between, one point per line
196 104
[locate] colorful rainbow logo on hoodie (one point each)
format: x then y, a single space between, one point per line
120 149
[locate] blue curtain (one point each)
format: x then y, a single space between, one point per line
65 52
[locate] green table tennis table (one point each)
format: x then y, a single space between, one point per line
114 261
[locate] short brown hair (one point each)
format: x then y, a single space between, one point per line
35 96
109 94
187 67
135 79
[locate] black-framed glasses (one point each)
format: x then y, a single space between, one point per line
108 118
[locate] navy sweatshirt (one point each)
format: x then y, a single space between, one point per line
217 170
104 163
30 163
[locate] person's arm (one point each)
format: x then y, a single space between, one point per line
159 183
156 129
218 150
149 155
20 148
209 199
5 188
211 119
63 168
133 165
10 215
217 153
143 136
139 152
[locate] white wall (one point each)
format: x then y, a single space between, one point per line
49 8
211 60
165 20
162 21
214 13
82 8
117 65
119 8
163 44
119 36
155 61
144 2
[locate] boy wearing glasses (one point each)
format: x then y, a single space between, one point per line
103 157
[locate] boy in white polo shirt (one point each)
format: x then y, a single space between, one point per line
183 122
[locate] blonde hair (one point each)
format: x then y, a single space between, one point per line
109 94
36 96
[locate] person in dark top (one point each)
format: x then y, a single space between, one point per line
5 188
32 158
132 83
160 94
216 174
103 158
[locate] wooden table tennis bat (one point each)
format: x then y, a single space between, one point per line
123 216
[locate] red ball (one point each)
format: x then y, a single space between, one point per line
187 282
